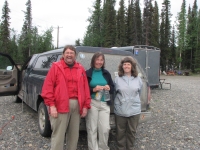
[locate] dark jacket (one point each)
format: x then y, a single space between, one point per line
108 78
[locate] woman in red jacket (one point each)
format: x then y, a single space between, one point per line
67 94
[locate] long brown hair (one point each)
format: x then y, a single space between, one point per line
130 60
95 56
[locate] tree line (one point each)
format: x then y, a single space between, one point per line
131 25
124 26
28 42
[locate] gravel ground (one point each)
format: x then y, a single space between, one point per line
174 124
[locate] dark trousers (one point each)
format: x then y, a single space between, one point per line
126 131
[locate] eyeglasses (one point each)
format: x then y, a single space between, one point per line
69 53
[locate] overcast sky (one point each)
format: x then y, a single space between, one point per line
70 15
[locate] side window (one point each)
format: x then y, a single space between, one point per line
45 61
5 63
59 56
130 50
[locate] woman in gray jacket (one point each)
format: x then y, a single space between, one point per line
127 104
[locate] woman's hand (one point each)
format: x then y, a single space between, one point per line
107 87
98 88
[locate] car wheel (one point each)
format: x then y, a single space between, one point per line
43 121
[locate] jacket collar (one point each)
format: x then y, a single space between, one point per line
89 72
66 66
127 78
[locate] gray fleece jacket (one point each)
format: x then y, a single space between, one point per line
127 101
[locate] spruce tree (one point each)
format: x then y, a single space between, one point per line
25 40
192 35
188 52
121 26
165 34
5 29
147 22
109 23
137 24
172 58
93 36
197 55
130 23
154 40
181 33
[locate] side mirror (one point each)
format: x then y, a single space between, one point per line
9 68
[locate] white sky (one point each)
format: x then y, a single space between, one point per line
70 15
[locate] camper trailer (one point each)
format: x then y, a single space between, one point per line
149 59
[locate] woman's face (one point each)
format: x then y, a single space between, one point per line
99 61
127 67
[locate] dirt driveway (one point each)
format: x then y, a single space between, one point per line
175 122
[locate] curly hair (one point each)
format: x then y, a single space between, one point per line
130 60
95 56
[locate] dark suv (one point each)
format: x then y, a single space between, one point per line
27 82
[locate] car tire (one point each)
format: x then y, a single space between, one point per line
43 121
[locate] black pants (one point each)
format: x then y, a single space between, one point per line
126 131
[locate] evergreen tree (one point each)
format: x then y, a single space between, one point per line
134 23
154 40
147 21
109 23
14 46
165 34
121 26
188 55
192 35
77 42
130 23
25 40
197 55
5 29
181 32
45 41
35 40
93 36
173 48
137 24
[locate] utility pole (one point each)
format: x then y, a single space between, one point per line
58 36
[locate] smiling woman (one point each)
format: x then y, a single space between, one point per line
98 118
127 103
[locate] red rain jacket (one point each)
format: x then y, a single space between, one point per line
55 91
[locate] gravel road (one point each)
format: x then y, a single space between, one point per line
175 122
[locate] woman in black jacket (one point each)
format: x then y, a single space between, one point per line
97 119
